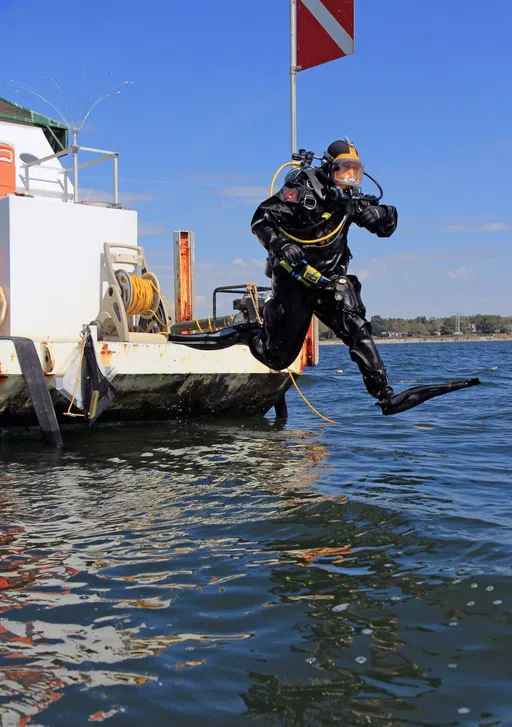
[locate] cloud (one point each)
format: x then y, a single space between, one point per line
100 195
149 229
461 272
486 227
255 261
245 194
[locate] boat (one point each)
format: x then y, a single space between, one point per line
70 269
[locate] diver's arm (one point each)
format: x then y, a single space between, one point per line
381 219
266 224
265 227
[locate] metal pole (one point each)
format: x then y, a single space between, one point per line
75 167
293 76
116 180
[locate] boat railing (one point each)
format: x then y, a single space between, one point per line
74 150
233 289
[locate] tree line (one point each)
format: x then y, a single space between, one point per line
422 326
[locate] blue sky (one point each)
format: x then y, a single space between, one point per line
205 123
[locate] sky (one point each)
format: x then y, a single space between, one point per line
201 122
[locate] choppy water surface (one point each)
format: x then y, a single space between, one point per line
232 573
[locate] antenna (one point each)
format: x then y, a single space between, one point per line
74 127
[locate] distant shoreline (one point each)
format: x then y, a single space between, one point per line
433 339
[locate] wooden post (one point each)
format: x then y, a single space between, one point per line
184 275
310 351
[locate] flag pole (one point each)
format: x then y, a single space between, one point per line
293 76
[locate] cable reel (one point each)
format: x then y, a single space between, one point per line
133 307
140 293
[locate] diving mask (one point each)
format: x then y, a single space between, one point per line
347 172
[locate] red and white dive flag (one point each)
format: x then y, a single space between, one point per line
325 31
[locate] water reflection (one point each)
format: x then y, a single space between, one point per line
197 572
120 526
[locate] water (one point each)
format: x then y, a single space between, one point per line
228 573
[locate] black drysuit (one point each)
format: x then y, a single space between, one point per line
308 207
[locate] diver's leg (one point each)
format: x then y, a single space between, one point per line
286 319
343 311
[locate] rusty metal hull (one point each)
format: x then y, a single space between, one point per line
150 397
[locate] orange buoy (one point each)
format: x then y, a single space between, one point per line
7 169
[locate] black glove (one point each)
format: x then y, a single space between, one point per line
289 252
371 217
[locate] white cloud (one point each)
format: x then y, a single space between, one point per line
100 195
244 191
245 194
149 229
487 227
461 272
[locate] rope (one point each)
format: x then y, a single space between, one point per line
331 421
199 326
252 289
79 376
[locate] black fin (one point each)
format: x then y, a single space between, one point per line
418 394
215 341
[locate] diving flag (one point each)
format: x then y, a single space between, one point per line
325 31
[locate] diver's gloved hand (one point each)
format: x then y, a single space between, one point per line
371 217
290 253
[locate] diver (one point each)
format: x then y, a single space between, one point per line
303 227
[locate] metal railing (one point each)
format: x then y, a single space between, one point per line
74 149
233 289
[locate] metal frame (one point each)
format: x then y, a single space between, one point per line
74 149
232 289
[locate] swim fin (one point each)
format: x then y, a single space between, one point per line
218 340
396 403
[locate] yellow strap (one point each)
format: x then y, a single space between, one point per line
331 421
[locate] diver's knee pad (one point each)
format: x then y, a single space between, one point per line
348 296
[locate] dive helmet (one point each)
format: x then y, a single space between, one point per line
343 164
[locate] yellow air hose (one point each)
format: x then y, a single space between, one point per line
297 239
331 421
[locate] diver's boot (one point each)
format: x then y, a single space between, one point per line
377 385
392 403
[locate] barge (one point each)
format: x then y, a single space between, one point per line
68 273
